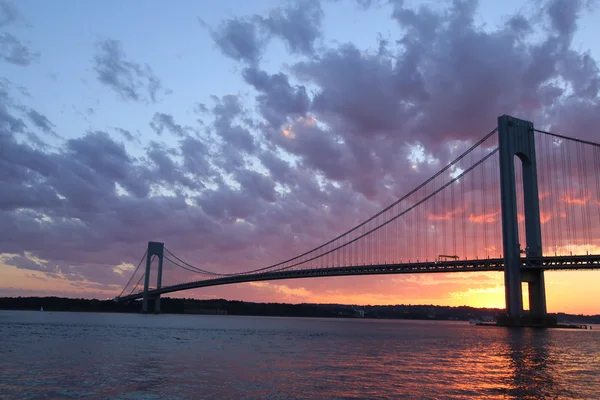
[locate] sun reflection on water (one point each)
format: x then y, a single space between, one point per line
59 355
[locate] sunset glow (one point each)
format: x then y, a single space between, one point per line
243 140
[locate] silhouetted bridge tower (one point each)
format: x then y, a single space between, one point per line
398 239
154 249
516 138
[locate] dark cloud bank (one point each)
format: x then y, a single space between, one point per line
262 184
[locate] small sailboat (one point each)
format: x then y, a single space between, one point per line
42 308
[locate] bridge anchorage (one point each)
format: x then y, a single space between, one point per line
432 219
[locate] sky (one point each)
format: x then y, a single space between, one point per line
242 133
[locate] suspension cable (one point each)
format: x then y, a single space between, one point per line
188 267
568 138
384 223
361 225
191 266
132 275
137 284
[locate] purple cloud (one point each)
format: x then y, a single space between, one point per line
132 81
298 25
316 146
240 40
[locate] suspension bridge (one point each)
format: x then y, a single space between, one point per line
520 200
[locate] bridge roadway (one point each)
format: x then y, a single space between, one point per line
490 264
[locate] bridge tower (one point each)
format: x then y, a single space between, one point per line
154 249
516 138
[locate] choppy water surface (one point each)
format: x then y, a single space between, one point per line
53 355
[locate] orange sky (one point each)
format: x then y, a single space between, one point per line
288 138
567 291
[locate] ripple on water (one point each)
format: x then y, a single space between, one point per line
72 355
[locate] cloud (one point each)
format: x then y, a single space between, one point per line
240 40
227 111
366 4
447 215
308 150
497 289
26 261
563 15
277 99
575 200
162 121
126 134
166 169
290 294
8 13
15 52
9 122
298 24
545 217
195 154
41 121
485 218
131 81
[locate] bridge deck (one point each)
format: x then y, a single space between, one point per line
494 264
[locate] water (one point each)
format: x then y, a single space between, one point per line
54 355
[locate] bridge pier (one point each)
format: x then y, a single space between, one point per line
154 249
516 138
158 282
537 294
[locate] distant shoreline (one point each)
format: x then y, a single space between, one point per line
232 307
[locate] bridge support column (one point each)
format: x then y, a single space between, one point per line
154 249
159 280
516 138
537 296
